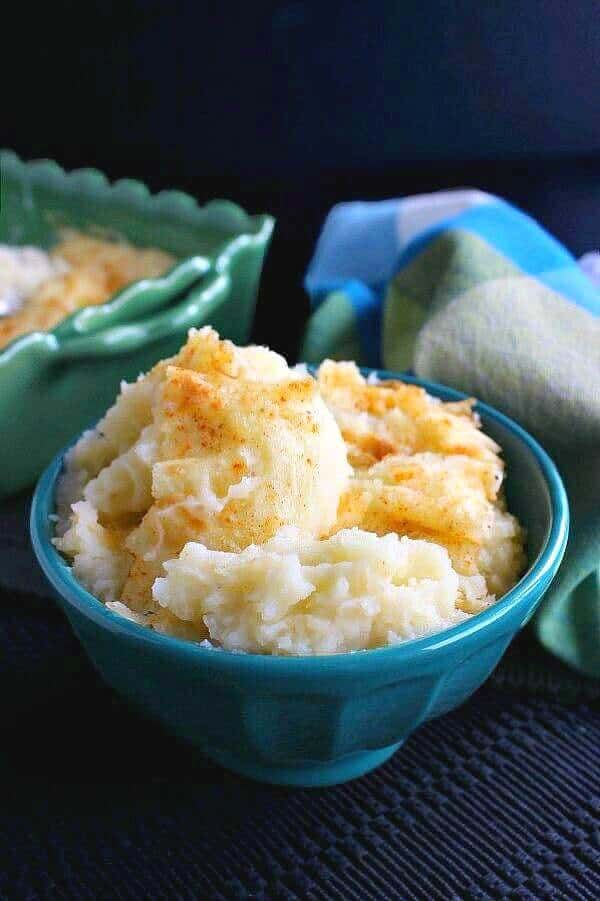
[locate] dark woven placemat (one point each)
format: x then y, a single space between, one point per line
499 799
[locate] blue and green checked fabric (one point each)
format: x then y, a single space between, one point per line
467 290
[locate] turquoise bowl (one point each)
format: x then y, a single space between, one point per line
313 721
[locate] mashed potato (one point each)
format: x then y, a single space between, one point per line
81 271
299 595
425 469
221 445
22 270
227 498
390 417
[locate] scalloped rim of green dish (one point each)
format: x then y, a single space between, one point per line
251 229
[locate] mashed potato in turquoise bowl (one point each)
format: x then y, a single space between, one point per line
310 565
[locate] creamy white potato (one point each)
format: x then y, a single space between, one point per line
227 498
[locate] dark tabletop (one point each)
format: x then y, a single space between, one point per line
499 799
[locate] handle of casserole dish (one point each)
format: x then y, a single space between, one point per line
129 337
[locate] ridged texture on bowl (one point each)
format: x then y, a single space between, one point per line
53 384
318 720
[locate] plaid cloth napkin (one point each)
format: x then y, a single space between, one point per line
469 291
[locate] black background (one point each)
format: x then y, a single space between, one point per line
292 106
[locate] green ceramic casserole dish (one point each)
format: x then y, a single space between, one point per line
52 384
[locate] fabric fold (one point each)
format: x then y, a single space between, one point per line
467 290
